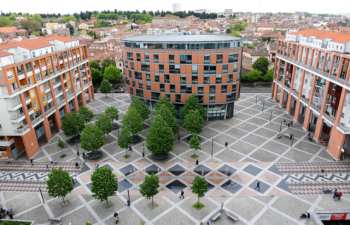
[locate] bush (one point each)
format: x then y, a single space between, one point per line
269 75
261 64
253 76
244 78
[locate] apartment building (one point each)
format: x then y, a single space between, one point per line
41 80
178 66
312 71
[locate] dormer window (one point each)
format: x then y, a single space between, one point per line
40 52
33 54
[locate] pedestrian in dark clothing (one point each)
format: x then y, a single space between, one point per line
10 214
284 121
291 123
257 186
78 154
197 163
130 149
116 219
226 144
115 214
182 194
84 156
31 162
336 195
288 125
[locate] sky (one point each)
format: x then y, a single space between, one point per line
69 6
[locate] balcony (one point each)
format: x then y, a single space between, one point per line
37 120
304 101
343 129
17 104
50 111
17 118
315 109
212 100
61 103
22 129
328 117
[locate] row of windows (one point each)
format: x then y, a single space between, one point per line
227 45
175 68
188 88
184 59
156 96
183 78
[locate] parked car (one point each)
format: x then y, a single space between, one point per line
118 90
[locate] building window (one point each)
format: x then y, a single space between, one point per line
131 65
138 56
185 59
189 89
38 77
234 87
42 88
172 88
40 52
218 79
229 78
30 80
129 56
156 77
148 76
211 98
171 58
33 54
334 87
32 93
68 84
212 89
225 68
207 58
233 57
9 60
155 58
146 57
162 87
148 85
183 79
177 98
161 68
35 105
200 89
210 69
223 88
174 68
44 99
235 67
206 79
48 62
166 78
194 69
10 74
194 79
219 58
145 67
52 49
55 59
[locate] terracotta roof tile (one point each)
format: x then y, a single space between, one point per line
322 34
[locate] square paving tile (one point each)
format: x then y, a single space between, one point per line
198 214
209 132
220 126
245 207
208 146
253 170
265 132
263 186
271 217
123 185
237 133
176 170
247 126
269 177
227 170
294 206
180 147
258 121
275 147
242 147
229 156
56 208
255 140
263 156
176 186
231 186
298 156
129 169
307 147
82 214
102 212
223 138
24 202
173 214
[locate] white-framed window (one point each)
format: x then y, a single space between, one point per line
30 80
40 52
55 59
68 83
32 93
10 74
48 61
334 87
42 89
9 60
44 99
25 56
74 80
38 77
35 105
52 50
33 54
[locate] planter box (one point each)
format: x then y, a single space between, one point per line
256 84
20 221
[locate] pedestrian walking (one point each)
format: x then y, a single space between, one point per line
130 149
116 219
208 222
84 157
257 186
47 166
336 195
288 125
226 144
182 194
10 215
31 161
115 214
78 154
197 163
291 123
284 122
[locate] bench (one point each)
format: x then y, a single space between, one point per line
232 215
54 220
215 216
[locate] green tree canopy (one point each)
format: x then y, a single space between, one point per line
112 73
140 107
166 101
37 17
193 122
237 27
261 64
253 75
269 75
104 184
160 137
105 87
195 143
104 123
149 187
245 24
59 183
106 63
133 121
4 22
112 112
92 138
85 114
96 76
192 103
125 138
72 124
236 34
94 64
199 186
168 117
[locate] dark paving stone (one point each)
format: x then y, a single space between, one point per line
108 166
274 169
127 170
210 186
177 170
176 186
153 169
202 170
231 186
283 185
227 170
123 185
263 186
253 170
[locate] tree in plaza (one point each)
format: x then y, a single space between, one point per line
112 112
85 114
94 64
193 122
104 123
269 75
133 121
140 107
236 34
104 184
125 139
60 144
160 137
59 183
199 186
72 124
149 186
165 113
166 101
106 63
192 103
253 75
111 73
92 138
237 27
96 76
261 64
195 144
105 87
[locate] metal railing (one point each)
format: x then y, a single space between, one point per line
36 120
17 103
343 128
312 106
16 117
22 129
50 110
328 117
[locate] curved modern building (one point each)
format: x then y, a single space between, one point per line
178 66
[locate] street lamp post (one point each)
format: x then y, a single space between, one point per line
143 149
178 134
212 147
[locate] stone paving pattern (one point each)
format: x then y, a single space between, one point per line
254 154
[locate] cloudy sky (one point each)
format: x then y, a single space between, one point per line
69 6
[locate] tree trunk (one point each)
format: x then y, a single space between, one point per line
198 201
63 201
107 201
106 95
152 200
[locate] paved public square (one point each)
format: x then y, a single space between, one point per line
289 175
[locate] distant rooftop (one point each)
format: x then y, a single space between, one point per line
180 38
